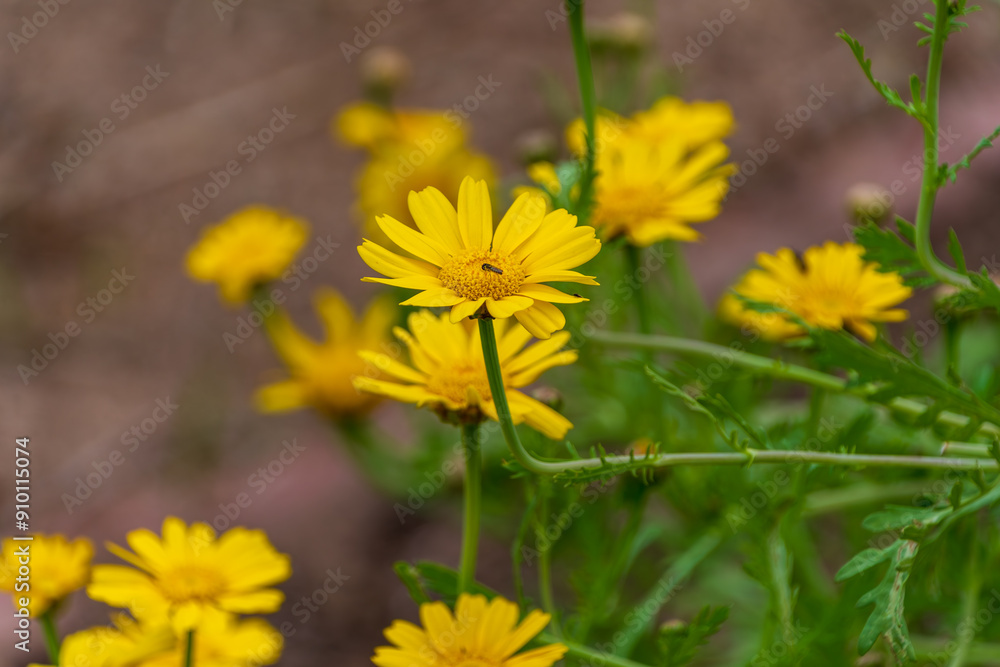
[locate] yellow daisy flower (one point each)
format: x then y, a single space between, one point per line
223 641
479 634
375 128
188 571
127 643
410 150
652 192
831 287
321 374
58 566
449 373
462 263
693 123
386 180
252 246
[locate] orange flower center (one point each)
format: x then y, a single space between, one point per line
191 582
453 382
476 274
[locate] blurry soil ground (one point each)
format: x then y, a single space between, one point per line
162 337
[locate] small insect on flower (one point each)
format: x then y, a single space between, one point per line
480 633
463 263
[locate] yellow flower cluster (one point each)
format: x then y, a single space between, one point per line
407 150
185 584
830 287
658 172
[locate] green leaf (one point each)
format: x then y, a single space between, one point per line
410 577
887 92
896 517
893 252
444 581
680 642
864 561
887 618
955 250
965 162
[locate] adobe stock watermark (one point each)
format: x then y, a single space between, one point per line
250 148
424 148
263 307
902 16
105 467
626 288
88 310
786 127
121 108
363 35
31 26
258 482
696 44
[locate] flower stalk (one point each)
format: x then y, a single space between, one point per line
473 506
189 649
48 623
588 100
932 179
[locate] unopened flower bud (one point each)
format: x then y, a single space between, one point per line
868 201
626 32
536 146
383 71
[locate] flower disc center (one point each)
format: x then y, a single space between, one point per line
192 582
477 274
453 382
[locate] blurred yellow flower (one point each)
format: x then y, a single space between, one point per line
693 123
188 571
659 171
654 192
127 643
481 633
409 150
462 263
57 566
831 287
252 246
223 641
321 374
449 374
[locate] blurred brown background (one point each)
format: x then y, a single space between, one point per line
224 68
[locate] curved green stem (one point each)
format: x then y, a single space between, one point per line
970 602
473 503
778 369
588 99
189 649
932 179
592 656
749 456
48 623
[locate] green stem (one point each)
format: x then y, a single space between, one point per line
775 368
678 572
540 467
828 501
545 560
592 656
588 99
189 649
970 603
473 503
969 449
778 568
48 623
931 179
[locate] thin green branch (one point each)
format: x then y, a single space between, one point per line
778 369
746 457
473 506
588 100
48 623
932 179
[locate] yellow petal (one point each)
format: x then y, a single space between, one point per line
542 319
475 214
412 241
